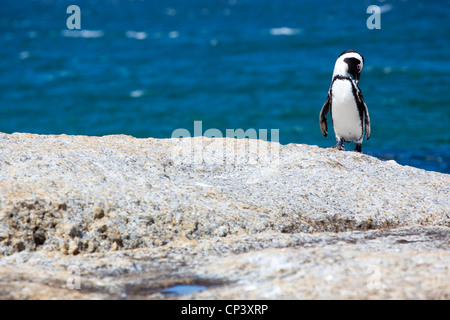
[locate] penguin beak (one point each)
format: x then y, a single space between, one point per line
356 77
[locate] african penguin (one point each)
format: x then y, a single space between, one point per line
349 112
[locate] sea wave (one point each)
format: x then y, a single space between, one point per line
284 31
83 33
139 35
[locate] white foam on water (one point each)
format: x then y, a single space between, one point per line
284 31
83 33
174 34
139 35
386 8
136 93
171 12
24 55
32 34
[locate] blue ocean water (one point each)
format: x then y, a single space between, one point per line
148 67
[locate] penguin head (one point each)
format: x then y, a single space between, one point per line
349 63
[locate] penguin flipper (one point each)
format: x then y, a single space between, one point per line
366 116
367 122
323 116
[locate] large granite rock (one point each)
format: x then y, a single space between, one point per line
244 218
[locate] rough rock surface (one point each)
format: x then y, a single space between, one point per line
243 218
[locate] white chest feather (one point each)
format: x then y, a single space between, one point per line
347 123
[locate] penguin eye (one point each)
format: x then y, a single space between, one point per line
359 67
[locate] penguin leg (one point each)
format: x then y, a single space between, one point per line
358 147
339 144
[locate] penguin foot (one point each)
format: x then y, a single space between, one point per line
358 148
339 144
339 147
